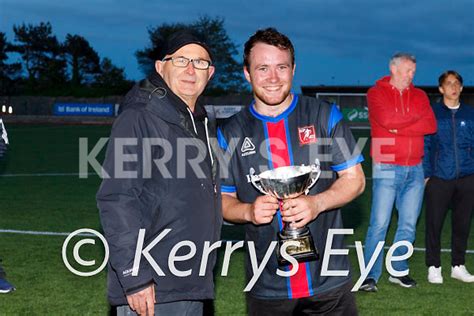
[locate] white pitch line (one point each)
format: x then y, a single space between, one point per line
58 174
52 174
41 233
416 249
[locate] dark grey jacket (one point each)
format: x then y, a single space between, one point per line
170 184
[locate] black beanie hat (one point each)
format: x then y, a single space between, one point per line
180 39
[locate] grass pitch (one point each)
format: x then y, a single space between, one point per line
38 193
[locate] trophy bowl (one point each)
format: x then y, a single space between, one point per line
287 183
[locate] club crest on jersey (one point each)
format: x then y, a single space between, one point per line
248 148
307 135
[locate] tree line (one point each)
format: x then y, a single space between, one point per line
46 66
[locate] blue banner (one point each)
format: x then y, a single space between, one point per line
84 109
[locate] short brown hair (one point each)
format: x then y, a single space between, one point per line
271 37
445 75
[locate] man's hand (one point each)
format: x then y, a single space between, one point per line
143 302
301 210
393 131
263 210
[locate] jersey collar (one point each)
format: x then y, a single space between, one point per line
282 115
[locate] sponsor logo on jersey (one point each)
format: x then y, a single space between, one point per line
307 135
248 148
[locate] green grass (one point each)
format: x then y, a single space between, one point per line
66 203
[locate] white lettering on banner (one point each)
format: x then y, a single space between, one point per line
136 157
294 263
121 158
257 267
229 249
160 163
390 257
364 271
86 158
146 252
205 255
173 257
328 251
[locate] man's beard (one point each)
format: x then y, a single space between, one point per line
272 101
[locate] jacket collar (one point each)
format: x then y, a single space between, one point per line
385 83
160 88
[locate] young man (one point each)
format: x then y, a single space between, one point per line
449 171
280 129
400 115
161 177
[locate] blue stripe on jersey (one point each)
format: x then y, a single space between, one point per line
308 277
228 188
334 117
221 139
347 164
276 118
269 153
280 222
288 142
288 284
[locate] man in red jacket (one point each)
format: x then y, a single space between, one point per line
400 115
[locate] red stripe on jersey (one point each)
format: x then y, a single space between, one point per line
277 141
280 157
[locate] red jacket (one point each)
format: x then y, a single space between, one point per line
407 114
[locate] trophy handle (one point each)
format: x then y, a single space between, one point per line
315 173
255 179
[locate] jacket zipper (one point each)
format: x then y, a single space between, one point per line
210 155
409 150
453 121
213 180
401 102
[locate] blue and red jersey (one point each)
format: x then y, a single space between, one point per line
307 130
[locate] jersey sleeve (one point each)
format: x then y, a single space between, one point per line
226 162
344 150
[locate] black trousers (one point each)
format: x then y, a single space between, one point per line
337 302
440 196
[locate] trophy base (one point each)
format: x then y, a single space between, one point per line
306 251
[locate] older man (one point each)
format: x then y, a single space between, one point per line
400 115
160 182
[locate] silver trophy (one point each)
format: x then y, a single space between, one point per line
288 183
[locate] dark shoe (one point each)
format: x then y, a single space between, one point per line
369 285
404 281
5 286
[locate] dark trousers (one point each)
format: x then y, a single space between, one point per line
440 195
338 302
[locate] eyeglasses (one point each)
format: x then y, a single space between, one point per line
183 62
